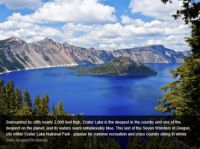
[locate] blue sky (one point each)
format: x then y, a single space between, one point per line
103 24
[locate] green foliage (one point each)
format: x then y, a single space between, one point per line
45 105
37 106
18 98
27 99
10 97
183 95
121 66
3 101
112 144
41 105
11 101
24 111
135 143
59 110
152 143
189 12
41 108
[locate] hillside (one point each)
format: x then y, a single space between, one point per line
122 66
18 54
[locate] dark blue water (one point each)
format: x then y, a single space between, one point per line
92 95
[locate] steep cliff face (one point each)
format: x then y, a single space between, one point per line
151 54
18 54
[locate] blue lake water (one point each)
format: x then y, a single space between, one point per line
92 95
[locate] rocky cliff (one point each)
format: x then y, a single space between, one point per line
17 54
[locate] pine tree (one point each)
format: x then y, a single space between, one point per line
183 95
27 99
24 111
152 143
37 106
45 105
10 97
135 143
112 144
3 101
18 98
59 110
1 83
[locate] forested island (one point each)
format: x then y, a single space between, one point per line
122 66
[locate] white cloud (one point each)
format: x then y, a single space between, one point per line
20 4
128 21
117 35
27 31
174 42
112 46
35 26
90 23
102 36
155 8
91 11
172 32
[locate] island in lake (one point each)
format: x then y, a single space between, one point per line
122 66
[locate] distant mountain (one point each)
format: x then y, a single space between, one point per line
121 66
151 54
18 54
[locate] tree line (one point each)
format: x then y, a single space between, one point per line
13 101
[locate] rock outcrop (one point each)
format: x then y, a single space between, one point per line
17 54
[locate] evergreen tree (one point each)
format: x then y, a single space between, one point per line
152 143
45 105
3 101
18 98
1 83
27 99
37 106
59 110
112 144
164 142
10 97
135 143
183 95
24 111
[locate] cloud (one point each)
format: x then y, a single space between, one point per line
155 8
28 31
174 42
89 23
35 26
128 21
128 33
87 11
112 46
171 32
119 35
20 4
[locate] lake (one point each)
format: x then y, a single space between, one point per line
93 95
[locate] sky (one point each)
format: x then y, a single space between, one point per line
102 24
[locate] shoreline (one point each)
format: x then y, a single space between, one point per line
45 67
57 66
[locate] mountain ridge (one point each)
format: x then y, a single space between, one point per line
18 54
